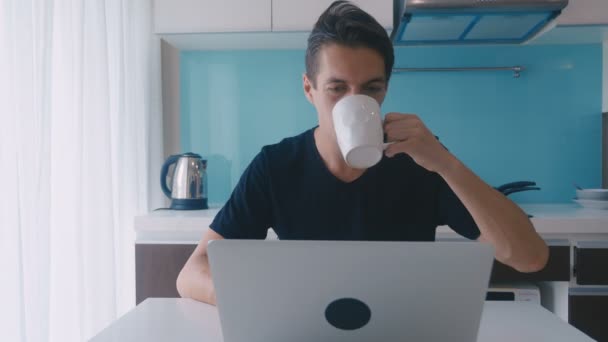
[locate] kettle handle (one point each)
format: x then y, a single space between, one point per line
163 174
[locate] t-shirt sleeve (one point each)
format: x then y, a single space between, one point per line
454 214
247 213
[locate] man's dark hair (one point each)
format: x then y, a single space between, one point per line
346 24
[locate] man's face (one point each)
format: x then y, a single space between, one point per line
344 71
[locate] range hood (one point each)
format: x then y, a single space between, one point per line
426 22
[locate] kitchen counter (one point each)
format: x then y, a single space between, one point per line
552 221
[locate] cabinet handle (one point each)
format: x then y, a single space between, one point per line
574 262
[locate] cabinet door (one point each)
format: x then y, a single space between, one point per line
584 12
591 262
157 267
557 268
298 15
587 311
196 16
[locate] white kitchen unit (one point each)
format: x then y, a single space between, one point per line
584 12
298 15
581 22
577 239
198 16
212 16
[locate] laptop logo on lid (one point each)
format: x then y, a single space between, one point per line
348 314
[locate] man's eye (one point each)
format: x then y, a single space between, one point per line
373 89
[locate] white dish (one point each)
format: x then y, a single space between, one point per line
592 194
592 204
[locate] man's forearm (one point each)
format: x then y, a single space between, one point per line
501 222
194 281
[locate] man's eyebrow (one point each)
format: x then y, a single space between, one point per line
335 80
377 79
338 80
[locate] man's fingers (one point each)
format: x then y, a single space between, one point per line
398 147
390 117
407 122
398 133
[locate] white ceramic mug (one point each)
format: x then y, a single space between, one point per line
358 126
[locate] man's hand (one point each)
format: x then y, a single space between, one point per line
412 137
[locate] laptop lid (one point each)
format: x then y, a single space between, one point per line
349 290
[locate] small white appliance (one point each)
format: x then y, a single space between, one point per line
514 293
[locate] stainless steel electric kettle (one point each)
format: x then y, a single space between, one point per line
188 189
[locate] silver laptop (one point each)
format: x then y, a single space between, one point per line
349 291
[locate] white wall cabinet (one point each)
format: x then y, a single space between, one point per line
284 24
299 15
198 16
584 12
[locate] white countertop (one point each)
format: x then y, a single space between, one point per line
170 319
550 220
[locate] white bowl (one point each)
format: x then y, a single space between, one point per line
592 194
592 204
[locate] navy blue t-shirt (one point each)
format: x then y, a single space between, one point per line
287 187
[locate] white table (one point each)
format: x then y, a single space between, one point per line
168 319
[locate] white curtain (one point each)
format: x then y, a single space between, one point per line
80 149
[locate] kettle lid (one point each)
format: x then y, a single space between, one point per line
191 155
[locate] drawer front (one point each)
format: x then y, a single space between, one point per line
591 263
588 311
557 269
157 268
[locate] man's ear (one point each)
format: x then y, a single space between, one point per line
307 88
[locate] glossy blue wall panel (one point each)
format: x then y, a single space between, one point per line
544 126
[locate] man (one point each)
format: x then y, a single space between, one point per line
303 188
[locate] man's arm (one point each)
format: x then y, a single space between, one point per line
246 215
194 280
500 221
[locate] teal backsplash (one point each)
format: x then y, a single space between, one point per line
544 126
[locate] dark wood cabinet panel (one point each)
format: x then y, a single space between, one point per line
588 312
157 267
591 266
557 269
